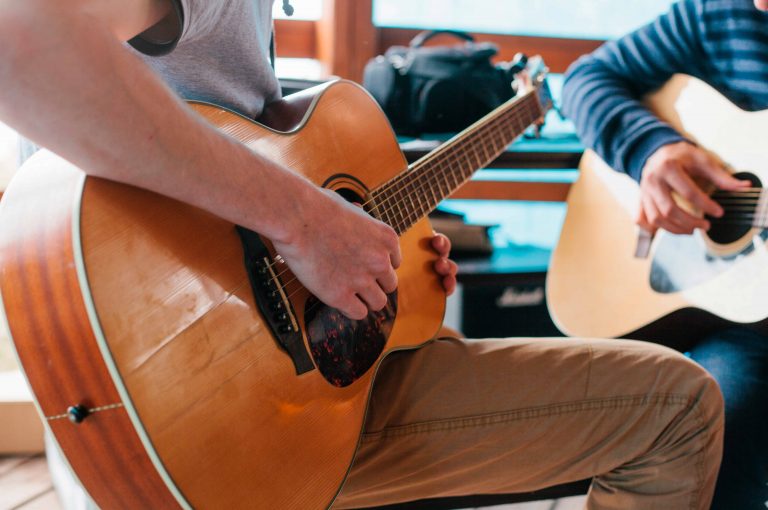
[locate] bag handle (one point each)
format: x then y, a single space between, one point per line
425 36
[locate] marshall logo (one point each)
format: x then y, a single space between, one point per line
514 297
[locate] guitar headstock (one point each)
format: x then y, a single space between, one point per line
533 76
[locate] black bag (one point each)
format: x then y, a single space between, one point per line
437 89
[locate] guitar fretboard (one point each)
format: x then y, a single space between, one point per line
413 194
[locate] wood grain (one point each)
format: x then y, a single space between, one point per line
55 340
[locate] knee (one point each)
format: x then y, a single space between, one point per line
676 375
699 386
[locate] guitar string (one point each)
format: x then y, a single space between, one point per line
423 179
421 185
502 139
290 295
741 219
426 181
742 196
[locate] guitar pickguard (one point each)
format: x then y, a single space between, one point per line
344 349
683 262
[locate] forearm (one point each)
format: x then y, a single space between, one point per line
603 90
610 117
75 89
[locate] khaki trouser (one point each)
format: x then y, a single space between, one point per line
460 417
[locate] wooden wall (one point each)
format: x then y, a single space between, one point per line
345 39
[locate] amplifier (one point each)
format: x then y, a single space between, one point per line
506 305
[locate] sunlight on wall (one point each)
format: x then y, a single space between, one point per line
302 9
9 150
9 143
589 19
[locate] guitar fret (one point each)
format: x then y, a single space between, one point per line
398 206
412 213
376 210
432 191
417 191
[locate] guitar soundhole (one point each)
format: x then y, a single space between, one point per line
739 209
682 262
344 349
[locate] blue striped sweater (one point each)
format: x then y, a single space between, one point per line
722 42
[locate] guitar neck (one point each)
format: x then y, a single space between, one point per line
410 196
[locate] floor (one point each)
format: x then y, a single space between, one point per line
25 484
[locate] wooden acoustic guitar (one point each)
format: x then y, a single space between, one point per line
600 285
175 359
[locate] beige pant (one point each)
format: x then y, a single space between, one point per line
500 416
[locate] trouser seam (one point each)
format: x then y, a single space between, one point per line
464 422
700 464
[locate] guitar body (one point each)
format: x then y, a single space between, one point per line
597 287
139 308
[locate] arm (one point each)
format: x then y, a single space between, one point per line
602 94
63 86
603 90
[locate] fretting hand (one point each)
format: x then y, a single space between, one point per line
444 267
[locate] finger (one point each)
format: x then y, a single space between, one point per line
354 308
641 219
388 282
672 217
447 270
675 219
656 219
449 284
445 266
684 186
441 244
373 297
714 171
395 256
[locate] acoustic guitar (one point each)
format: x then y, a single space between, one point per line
174 357
607 280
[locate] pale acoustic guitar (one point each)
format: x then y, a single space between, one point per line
607 280
174 357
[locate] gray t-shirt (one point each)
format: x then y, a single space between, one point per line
222 55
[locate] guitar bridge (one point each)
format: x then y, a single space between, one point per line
281 305
273 303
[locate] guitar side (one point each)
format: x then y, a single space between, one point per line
597 287
212 412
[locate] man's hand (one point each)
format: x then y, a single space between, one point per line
346 258
444 267
682 168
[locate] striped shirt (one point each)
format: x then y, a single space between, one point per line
722 42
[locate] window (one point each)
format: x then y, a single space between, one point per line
308 68
583 19
303 9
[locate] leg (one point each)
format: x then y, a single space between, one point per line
499 416
738 360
